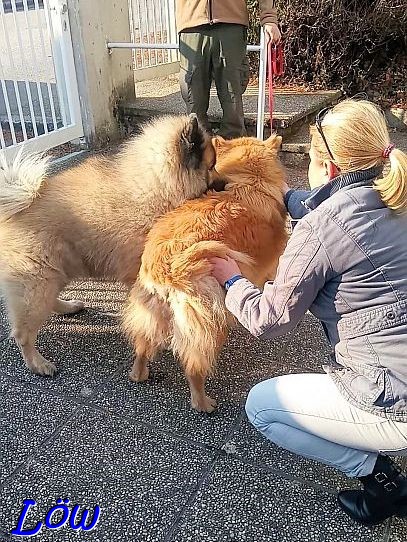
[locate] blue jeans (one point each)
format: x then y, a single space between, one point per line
307 415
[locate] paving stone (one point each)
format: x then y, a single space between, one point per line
86 347
250 445
164 399
308 350
240 503
27 418
398 530
4 325
141 479
84 359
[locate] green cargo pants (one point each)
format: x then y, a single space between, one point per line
215 52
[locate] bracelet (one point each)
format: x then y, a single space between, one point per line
231 281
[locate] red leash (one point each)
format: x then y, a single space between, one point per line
275 67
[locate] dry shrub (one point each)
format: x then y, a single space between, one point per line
353 45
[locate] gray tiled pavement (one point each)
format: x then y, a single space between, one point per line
160 471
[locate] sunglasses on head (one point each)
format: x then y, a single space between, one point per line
321 115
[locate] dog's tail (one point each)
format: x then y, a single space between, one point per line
197 301
20 181
193 263
199 318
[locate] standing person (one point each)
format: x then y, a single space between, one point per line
346 262
212 45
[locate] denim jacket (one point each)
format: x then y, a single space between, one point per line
346 262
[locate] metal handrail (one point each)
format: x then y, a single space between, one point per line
261 49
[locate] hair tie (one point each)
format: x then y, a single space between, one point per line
387 150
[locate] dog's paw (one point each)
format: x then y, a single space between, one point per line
75 305
68 307
139 374
204 404
41 366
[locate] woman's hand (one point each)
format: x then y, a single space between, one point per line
285 188
224 269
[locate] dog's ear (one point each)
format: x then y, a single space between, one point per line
218 143
274 142
192 143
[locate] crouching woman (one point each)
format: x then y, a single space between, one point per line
346 262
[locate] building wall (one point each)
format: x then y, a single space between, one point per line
104 78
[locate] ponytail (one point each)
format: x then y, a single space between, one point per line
393 186
358 138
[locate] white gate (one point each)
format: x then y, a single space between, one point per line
152 22
39 101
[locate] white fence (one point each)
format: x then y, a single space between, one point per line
39 102
153 22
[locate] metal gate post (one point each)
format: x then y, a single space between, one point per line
262 86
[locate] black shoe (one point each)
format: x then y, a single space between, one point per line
384 494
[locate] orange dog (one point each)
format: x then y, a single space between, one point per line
176 302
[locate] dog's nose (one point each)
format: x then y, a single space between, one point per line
217 184
215 181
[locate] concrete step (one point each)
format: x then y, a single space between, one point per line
291 109
295 146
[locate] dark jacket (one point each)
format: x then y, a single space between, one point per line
346 262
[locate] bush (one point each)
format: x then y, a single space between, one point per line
353 45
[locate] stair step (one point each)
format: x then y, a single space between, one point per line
292 110
295 147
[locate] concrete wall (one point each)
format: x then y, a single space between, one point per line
144 74
104 79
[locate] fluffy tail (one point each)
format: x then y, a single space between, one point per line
201 320
20 181
193 264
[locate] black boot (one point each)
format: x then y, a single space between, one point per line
384 494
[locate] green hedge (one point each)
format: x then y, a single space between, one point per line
353 45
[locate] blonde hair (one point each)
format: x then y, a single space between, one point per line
357 135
